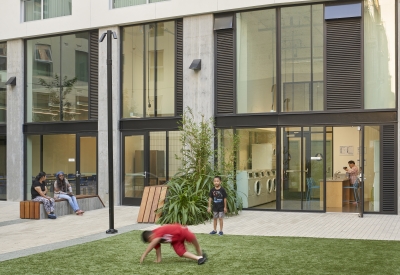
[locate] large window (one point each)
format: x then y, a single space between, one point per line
256 61
127 3
148 71
302 71
57 78
379 54
43 9
3 80
53 153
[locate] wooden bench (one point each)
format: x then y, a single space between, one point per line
33 209
152 199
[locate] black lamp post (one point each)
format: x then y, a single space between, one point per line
110 34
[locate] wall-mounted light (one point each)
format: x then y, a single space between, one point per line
12 81
196 64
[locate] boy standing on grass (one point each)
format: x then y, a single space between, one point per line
218 197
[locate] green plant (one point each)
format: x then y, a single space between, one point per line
58 90
187 197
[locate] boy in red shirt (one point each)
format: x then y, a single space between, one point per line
176 235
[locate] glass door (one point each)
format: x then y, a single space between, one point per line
134 175
86 164
302 165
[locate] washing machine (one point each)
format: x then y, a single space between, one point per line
274 183
255 189
243 188
270 196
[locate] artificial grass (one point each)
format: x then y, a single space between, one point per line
120 254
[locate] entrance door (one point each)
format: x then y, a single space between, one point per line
144 163
302 168
86 164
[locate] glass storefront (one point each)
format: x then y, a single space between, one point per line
256 168
312 162
58 78
53 153
148 70
379 54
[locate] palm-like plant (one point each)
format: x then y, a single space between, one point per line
187 197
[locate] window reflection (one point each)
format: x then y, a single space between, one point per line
302 58
58 78
148 72
3 80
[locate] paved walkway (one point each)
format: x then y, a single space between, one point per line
16 234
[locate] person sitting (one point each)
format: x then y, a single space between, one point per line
39 191
63 190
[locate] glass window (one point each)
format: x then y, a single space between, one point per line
371 169
57 78
256 61
175 152
302 58
379 54
3 80
51 8
3 168
256 167
148 72
33 10
127 3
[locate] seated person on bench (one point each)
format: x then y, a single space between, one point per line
38 192
63 190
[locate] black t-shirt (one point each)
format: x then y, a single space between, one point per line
218 196
37 183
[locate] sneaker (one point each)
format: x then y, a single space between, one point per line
213 232
201 260
204 254
51 216
221 233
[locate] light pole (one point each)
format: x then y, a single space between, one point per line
110 34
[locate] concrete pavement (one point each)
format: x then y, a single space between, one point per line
16 234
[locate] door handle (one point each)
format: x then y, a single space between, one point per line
77 174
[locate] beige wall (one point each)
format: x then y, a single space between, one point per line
345 136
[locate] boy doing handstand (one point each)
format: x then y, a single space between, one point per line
176 235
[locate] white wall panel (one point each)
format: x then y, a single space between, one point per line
92 14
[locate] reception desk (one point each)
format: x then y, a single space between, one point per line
335 194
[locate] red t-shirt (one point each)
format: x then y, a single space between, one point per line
172 233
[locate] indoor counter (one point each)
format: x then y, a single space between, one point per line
335 194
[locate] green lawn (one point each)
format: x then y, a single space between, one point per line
120 254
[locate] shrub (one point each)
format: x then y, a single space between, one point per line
187 197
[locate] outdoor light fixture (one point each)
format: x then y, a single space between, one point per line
196 64
12 81
110 34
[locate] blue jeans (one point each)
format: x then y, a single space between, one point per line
72 201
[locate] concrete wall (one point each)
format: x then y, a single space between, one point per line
15 120
198 86
92 14
102 121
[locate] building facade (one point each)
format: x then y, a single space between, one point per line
307 86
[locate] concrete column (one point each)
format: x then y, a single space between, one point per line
103 126
15 120
198 86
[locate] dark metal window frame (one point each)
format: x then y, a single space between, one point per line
278 64
149 119
31 125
